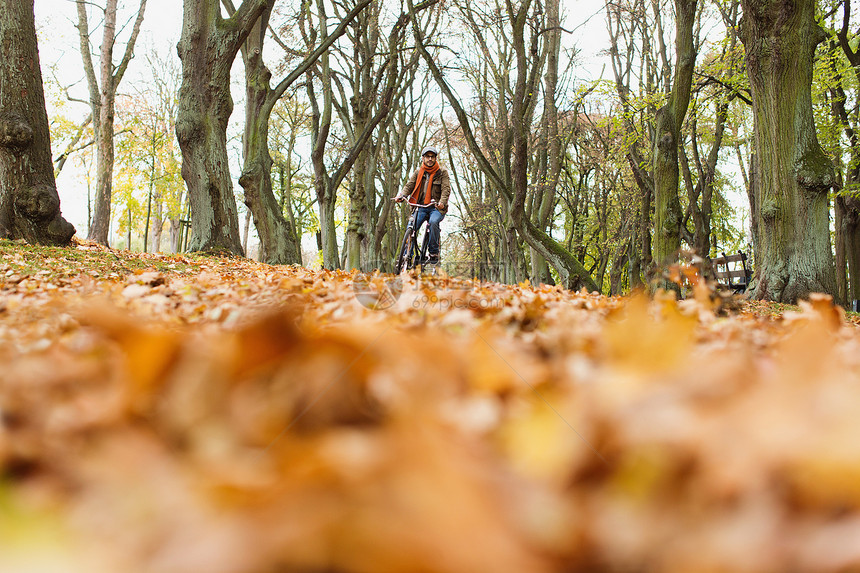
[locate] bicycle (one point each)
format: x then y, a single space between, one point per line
409 255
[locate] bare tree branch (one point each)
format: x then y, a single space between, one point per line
129 47
60 161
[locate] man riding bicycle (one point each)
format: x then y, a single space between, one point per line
428 184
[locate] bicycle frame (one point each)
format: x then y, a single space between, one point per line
409 256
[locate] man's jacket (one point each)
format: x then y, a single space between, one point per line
440 191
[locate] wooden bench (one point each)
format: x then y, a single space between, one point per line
732 272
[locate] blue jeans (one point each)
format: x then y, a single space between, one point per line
435 217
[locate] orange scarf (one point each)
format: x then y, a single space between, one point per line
421 171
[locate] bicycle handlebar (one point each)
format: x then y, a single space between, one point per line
411 204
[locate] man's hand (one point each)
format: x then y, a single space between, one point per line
441 206
399 199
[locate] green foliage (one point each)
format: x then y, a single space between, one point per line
830 75
836 95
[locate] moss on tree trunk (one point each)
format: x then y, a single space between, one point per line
793 175
667 204
207 48
278 245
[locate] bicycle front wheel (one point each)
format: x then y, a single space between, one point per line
404 252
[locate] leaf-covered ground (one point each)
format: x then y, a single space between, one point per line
173 414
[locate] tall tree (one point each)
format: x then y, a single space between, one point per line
793 175
327 184
848 203
278 244
718 84
379 72
511 179
103 102
363 76
626 22
393 161
670 117
289 123
551 149
321 124
207 48
29 202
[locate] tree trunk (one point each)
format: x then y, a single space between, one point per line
540 268
104 174
29 203
700 195
357 229
514 188
841 242
641 267
793 175
376 88
328 229
750 188
279 240
128 231
851 226
847 208
321 117
321 126
103 104
277 237
158 223
175 234
571 271
366 41
395 141
207 48
149 208
670 118
617 273
246 230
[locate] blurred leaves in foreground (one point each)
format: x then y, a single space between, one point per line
181 414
